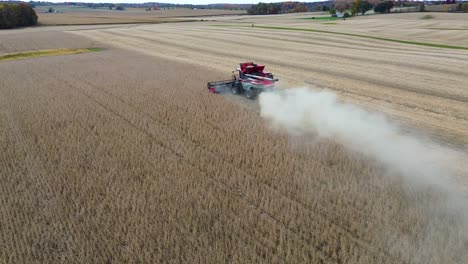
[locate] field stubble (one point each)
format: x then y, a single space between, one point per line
103 161
444 28
125 164
82 16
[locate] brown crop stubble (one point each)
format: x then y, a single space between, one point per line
137 164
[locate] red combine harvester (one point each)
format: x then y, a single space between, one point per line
248 79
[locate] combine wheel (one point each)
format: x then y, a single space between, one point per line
236 88
251 93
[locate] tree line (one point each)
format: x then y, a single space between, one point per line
144 5
362 6
288 7
347 7
17 15
354 6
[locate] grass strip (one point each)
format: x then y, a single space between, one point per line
448 28
234 26
434 45
44 53
427 17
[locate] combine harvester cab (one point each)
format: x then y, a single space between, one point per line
249 79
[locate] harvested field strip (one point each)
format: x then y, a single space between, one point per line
356 44
44 53
323 54
342 44
139 21
301 48
321 18
197 45
434 45
329 40
318 67
227 53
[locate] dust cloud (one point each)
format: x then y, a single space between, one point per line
306 111
420 162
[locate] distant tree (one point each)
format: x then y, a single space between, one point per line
278 8
17 15
119 7
374 2
421 7
364 7
332 11
380 8
298 8
7 17
465 7
399 3
384 7
286 6
51 10
264 9
325 8
355 7
27 14
342 5
389 6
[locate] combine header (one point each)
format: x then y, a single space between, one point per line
248 79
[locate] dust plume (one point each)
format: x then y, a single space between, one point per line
305 111
421 163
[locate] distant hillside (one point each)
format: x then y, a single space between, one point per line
147 5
